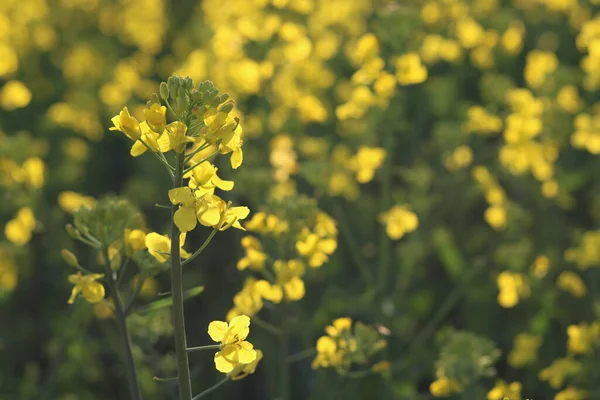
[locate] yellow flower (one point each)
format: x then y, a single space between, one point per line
192 210
525 349
135 240
204 179
540 266
149 287
19 229
571 393
502 391
315 247
568 99
221 127
327 354
469 33
583 337
512 286
243 370
559 371
34 172
151 140
234 348
104 309
127 124
71 201
571 282
288 278
398 221
255 257
156 117
160 246
91 290
444 387
338 326
14 94
495 216
365 162
176 137
409 70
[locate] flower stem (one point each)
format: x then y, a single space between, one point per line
301 355
211 389
201 161
121 318
183 368
201 249
134 389
200 348
386 193
284 350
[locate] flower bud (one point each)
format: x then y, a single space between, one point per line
70 258
189 84
71 231
164 91
226 108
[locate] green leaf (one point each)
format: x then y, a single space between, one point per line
167 302
448 252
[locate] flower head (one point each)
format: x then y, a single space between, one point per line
235 350
88 286
127 124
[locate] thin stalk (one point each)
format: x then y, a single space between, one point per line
364 269
134 388
266 326
160 158
386 192
201 249
201 348
122 270
189 156
211 389
185 171
134 295
284 349
183 367
301 355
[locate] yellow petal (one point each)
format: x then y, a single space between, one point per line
221 184
164 143
240 326
185 219
217 330
246 353
222 364
137 149
236 158
210 217
181 195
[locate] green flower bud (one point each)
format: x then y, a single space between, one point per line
70 258
226 108
224 97
164 91
72 232
189 84
154 99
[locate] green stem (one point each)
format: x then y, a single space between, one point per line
386 192
201 348
189 157
201 249
284 350
211 389
185 171
134 388
183 368
266 326
134 295
353 247
301 355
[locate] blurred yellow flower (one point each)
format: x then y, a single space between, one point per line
88 286
71 201
571 283
13 95
398 221
409 70
19 229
